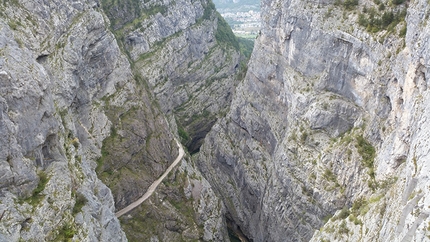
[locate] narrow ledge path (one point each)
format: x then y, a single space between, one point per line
154 185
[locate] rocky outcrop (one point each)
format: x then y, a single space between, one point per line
326 118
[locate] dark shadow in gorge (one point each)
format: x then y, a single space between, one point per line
235 234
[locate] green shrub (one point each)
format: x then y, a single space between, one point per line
344 213
355 220
43 179
328 174
375 21
80 201
304 137
358 204
403 30
366 150
362 20
293 136
387 18
350 4
209 9
154 10
327 218
343 229
36 197
66 233
397 2
183 134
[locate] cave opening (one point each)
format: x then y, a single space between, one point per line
235 234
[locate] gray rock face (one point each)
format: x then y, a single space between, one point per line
75 100
56 59
189 57
329 122
176 48
184 207
325 118
401 212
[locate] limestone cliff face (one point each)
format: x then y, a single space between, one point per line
77 81
186 58
325 139
188 55
56 59
401 211
329 117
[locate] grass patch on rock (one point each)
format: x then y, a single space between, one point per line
36 196
80 201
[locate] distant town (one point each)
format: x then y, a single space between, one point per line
243 16
244 24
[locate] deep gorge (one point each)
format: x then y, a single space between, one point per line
319 135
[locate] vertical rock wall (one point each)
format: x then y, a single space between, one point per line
56 59
326 120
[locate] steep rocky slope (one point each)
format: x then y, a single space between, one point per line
56 60
187 58
188 55
77 81
330 118
399 212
